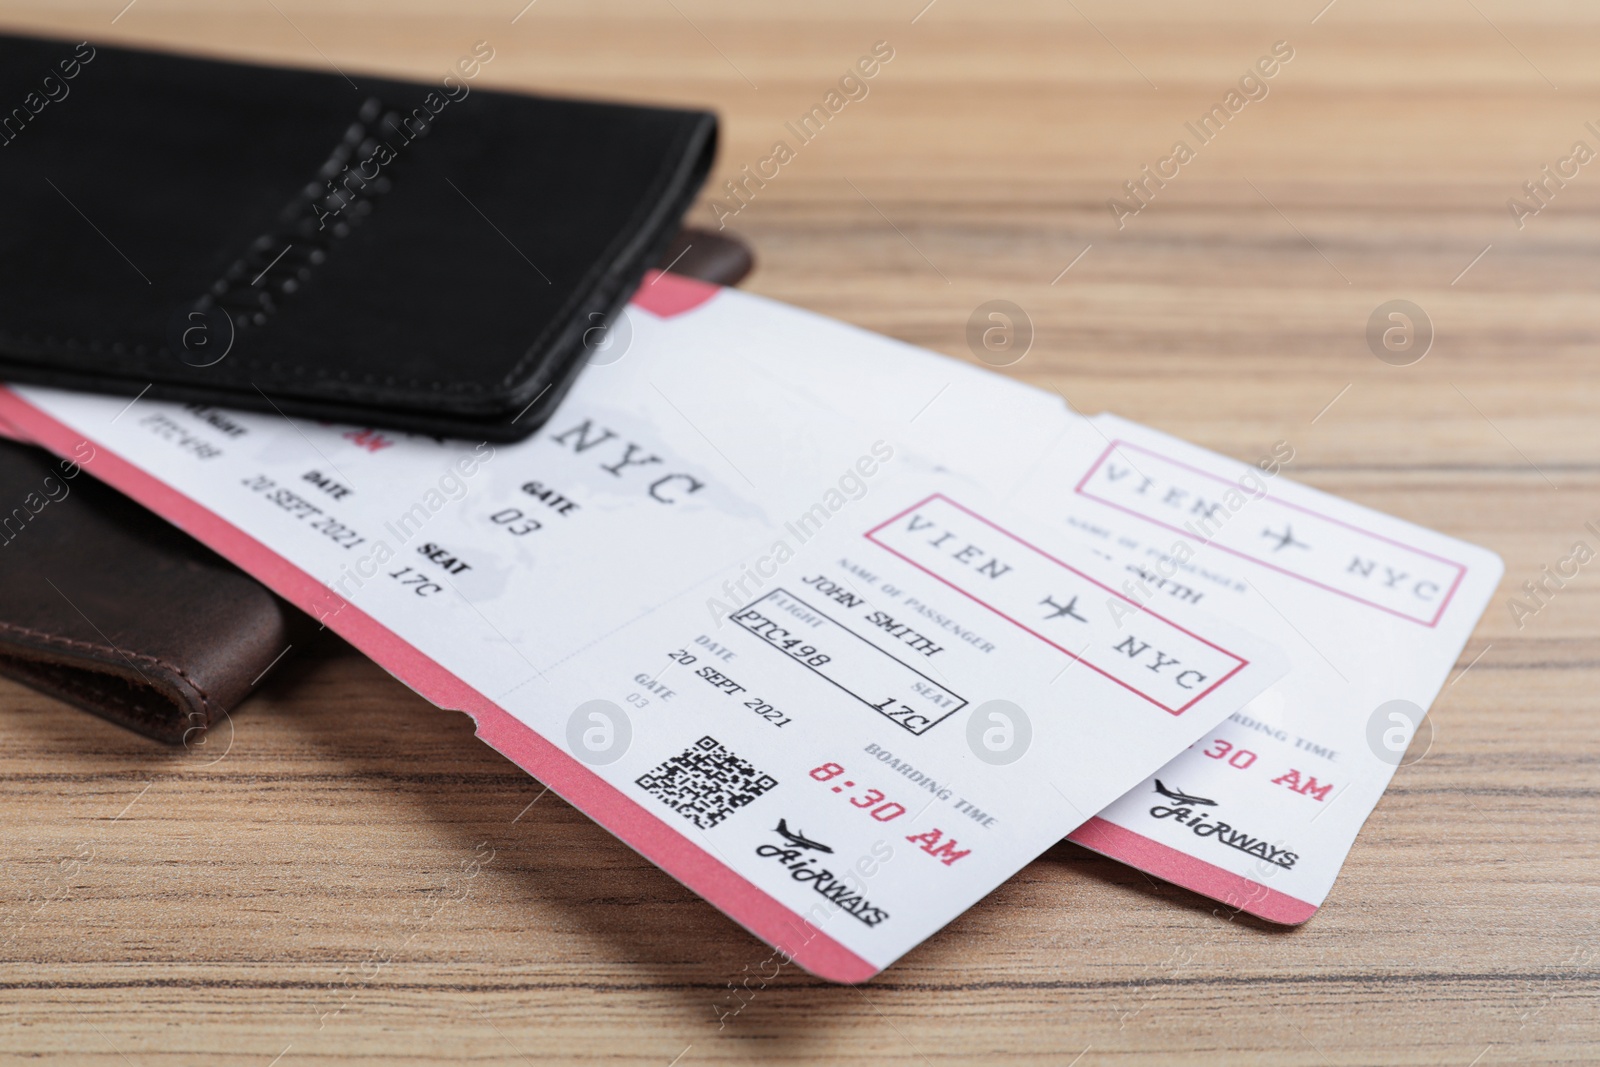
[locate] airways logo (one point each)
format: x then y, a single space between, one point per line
1181 809
795 854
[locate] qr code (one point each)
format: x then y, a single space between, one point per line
706 783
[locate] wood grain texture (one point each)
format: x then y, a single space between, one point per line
301 887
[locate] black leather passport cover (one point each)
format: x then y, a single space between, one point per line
428 256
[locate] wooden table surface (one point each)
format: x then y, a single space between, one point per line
296 889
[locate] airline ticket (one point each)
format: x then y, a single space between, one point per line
1373 612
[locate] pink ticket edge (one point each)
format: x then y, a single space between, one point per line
11 433
669 295
730 892
1180 868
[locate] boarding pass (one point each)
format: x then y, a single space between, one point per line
1372 611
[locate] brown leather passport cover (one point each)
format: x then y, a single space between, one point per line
709 256
108 607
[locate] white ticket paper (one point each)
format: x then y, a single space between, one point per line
834 690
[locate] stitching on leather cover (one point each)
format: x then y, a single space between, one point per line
80 682
71 642
239 291
109 696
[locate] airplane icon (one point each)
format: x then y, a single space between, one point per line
1284 539
1180 797
800 840
1061 610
